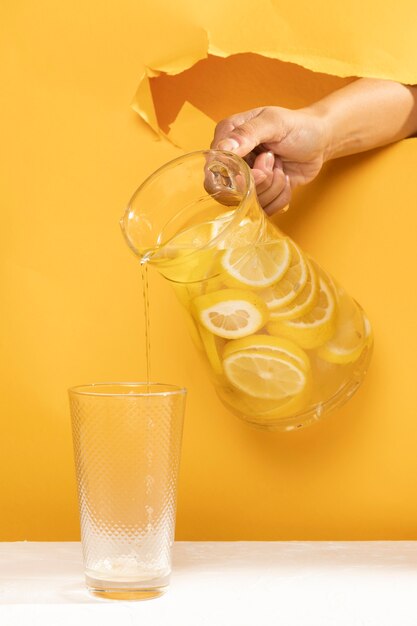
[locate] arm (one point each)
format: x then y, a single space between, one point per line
287 148
366 114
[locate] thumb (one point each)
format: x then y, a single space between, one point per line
244 138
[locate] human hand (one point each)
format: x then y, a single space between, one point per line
284 148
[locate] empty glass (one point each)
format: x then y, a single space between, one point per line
127 442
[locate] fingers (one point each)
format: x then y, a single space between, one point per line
228 125
272 185
280 203
243 132
263 171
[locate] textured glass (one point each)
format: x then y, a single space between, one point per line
127 444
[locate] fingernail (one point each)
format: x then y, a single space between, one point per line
283 210
269 160
228 144
287 178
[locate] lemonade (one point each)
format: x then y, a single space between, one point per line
278 333
283 340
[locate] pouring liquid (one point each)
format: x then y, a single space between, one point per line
145 292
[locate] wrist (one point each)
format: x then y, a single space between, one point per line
322 120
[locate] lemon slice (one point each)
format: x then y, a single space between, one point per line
304 301
264 411
212 346
257 265
264 374
315 327
352 334
279 345
291 284
230 313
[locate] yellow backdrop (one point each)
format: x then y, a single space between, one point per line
72 151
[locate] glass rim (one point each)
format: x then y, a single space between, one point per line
92 389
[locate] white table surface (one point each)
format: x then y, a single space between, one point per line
223 584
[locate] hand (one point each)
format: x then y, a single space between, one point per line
284 148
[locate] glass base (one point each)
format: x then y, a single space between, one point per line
109 593
126 590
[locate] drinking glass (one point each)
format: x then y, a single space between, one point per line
127 443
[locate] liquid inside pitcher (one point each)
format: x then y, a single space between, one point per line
283 340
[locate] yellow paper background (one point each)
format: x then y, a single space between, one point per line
72 152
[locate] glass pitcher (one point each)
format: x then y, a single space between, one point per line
283 340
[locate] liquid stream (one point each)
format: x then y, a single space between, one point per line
145 293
